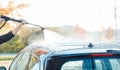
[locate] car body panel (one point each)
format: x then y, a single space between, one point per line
59 55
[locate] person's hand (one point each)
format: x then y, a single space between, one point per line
1 20
23 22
14 31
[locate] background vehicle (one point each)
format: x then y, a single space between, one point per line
67 57
2 68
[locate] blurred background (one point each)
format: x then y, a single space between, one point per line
78 21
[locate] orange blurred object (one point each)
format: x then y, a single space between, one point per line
38 52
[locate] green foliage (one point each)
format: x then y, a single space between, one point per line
12 46
19 41
6 58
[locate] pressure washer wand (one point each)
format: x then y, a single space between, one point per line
6 18
36 25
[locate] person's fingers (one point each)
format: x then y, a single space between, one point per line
1 20
24 22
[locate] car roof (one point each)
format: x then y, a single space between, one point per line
80 51
69 48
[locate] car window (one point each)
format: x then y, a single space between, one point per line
115 64
15 63
73 65
24 61
78 65
93 64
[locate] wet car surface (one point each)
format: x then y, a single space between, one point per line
67 57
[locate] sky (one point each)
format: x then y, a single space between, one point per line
91 15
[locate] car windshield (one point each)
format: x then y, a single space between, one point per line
24 61
30 58
109 63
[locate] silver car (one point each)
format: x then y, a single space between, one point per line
67 57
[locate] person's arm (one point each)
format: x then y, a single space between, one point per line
11 34
14 31
6 37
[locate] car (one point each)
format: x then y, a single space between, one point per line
68 57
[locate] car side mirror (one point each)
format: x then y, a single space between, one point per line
2 68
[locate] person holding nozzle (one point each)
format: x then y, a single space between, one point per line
8 36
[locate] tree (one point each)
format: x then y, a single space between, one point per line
12 46
11 9
16 44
